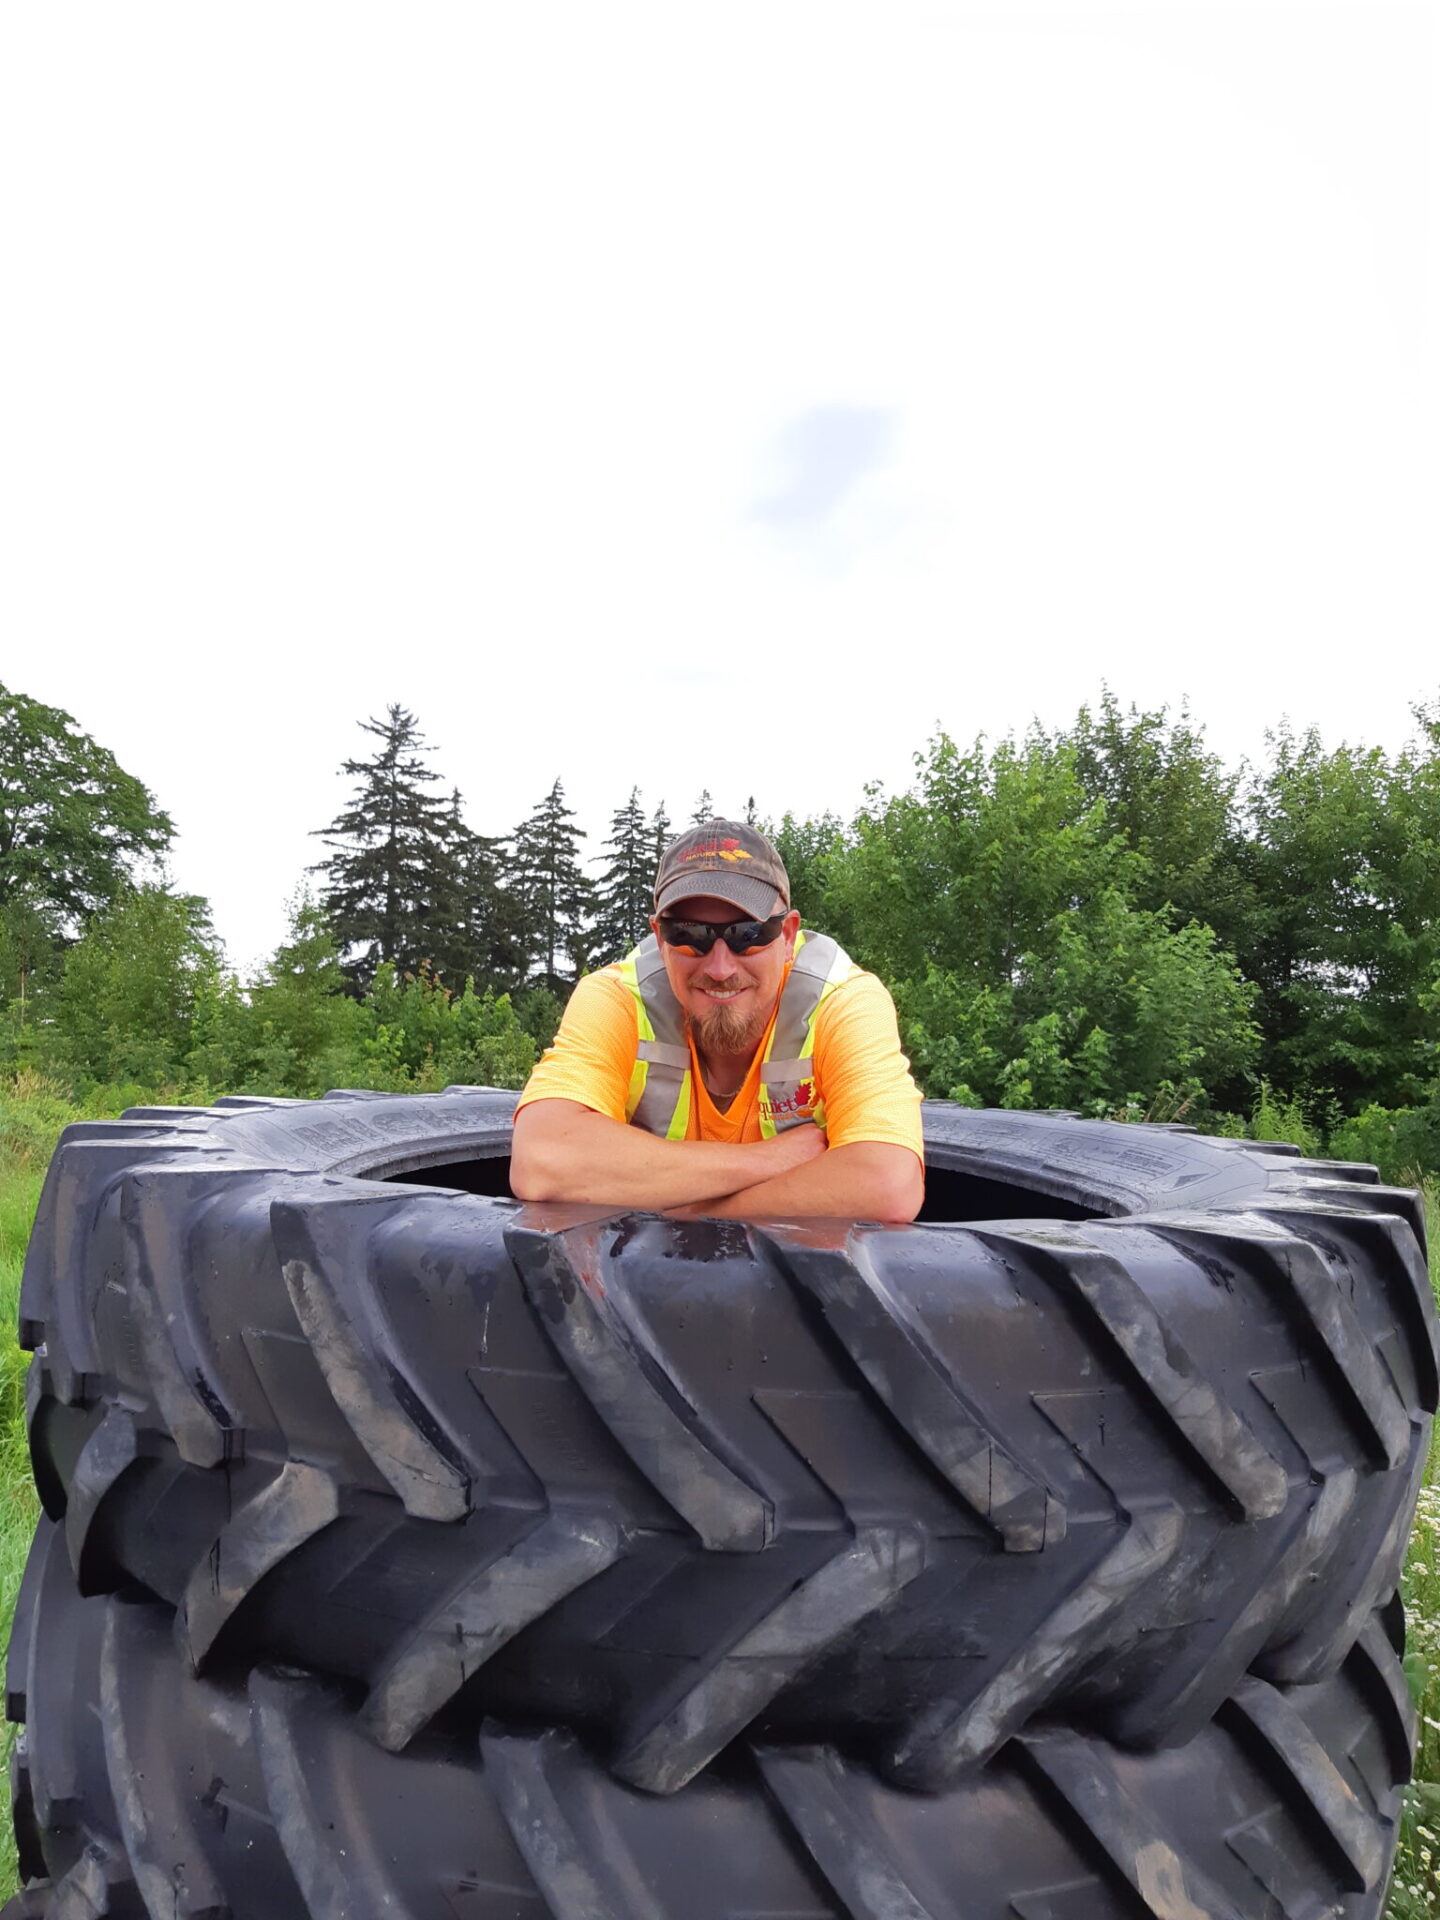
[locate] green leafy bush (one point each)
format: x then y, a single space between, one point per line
34 1111
1112 1009
1403 1142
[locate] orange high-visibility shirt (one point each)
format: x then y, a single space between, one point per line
860 1072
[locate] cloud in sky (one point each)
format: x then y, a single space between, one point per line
824 454
610 387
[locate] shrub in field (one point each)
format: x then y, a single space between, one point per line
33 1111
1415 1886
1399 1140
20 1177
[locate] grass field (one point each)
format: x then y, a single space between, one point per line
1415 1890
19 1190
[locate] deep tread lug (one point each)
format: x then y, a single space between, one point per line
112 1449
644 1407
1349 1830
670 1746
541 1784
1167 1886
297 1504
421 1464
905 1369
815 1789
951 1738
467 1628
154 1209
1205 1426
1294 1271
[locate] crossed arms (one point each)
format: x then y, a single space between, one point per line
565 1151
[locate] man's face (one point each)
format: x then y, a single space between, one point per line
727 998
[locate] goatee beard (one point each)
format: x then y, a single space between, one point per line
726 1029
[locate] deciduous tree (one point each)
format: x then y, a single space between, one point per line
76 831
126 1002
1176 805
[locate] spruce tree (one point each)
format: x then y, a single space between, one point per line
624 893
493 939
704 809
440 898
552 887
386 880
661 831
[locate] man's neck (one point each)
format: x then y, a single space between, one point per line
724 1073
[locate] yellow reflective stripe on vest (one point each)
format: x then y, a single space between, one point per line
659 1095
645 1032
661 1091
788 1095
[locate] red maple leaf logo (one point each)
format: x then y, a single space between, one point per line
805 1094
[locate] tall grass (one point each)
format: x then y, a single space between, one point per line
1415 1888
19 1509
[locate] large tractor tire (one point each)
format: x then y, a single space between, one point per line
142 1792
1132 1420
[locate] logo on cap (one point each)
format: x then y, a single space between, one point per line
711 849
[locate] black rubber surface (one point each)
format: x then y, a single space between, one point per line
901 1490
143 1791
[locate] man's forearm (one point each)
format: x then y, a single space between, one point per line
866 1180
563 1151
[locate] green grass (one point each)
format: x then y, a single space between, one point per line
19 1509
1415 1890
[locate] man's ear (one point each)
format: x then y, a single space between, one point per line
790 929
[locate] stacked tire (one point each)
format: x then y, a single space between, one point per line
409 1551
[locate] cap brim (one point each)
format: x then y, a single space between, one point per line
751 895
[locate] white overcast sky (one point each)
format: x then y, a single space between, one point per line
703 397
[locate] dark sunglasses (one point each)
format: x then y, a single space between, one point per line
741 936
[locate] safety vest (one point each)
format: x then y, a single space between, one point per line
661 1083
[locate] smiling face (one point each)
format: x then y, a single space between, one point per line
726 997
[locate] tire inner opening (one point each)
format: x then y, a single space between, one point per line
955 1194
950 1193
488 1175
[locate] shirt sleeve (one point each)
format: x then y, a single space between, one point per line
594 1051
864 1078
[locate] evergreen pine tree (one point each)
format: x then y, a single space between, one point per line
553 890
445 932
496 939
704 809
661 830
624 893
389 860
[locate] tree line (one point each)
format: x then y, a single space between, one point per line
1103 917
408 883
423 953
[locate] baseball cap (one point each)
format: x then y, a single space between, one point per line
728 860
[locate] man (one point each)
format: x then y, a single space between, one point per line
731 1065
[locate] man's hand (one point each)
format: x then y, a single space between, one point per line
565 1151
796 1147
